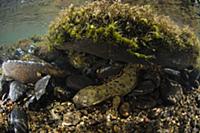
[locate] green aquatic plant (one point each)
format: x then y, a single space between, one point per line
137 29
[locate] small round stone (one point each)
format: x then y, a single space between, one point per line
17 90
124 109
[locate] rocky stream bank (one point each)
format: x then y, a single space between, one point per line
164 99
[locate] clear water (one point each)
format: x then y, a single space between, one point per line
183 12
21 19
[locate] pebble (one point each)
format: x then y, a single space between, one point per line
171 92
116 129
124 109
32 49
71 118
19 52
17 90
19 120
41 96
41 86
172 72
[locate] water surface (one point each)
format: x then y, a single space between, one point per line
21 19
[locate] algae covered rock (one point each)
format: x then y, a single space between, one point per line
124 33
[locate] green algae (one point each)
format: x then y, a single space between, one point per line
138 29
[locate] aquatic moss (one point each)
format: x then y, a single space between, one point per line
138 29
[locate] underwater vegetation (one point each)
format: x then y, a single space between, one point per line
136 29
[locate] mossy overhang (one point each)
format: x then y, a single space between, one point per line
125 33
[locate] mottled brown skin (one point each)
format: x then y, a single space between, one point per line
118 86
28 71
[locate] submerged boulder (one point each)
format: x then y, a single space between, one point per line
29 71
124 33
